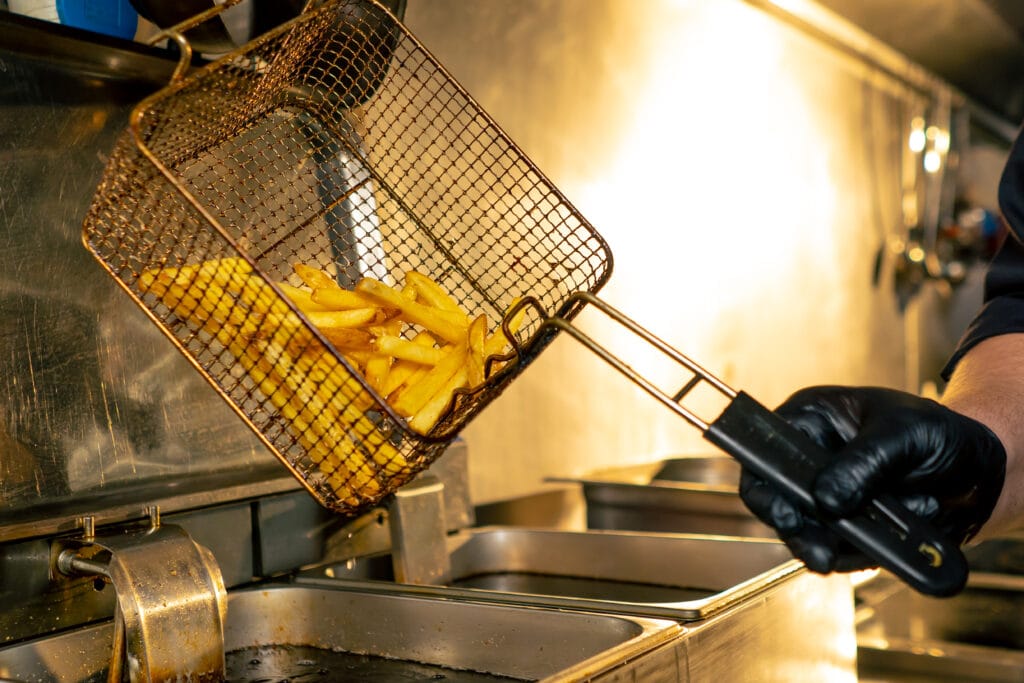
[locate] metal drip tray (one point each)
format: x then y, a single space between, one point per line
677 576
355 632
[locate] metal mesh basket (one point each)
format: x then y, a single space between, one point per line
337 141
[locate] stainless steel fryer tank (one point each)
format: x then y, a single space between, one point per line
283 631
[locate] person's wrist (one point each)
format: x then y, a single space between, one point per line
1007 510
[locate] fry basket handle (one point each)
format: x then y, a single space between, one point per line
672 401
764 443
177 34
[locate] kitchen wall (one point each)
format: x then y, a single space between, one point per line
745 174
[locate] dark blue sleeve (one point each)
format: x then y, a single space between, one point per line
1003 309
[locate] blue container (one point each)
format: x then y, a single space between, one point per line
110 17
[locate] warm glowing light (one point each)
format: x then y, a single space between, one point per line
755 182
910 213
788 5
739 170
932 161
939 139
916 254
858 578
917 140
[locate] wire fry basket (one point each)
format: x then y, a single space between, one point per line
336 141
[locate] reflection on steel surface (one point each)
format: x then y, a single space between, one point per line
93 400
974 636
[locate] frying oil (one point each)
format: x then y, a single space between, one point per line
302 664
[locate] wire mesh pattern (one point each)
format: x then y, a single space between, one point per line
336 141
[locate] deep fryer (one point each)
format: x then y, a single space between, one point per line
336 139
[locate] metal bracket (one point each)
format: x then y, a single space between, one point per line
419 551
171 601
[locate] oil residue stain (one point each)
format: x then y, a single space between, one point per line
302 664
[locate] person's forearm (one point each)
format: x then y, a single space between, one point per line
988 385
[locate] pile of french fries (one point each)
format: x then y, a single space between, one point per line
414 345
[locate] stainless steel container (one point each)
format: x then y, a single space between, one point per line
723 590
685 577
686 494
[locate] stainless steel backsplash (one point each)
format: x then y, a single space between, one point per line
94 401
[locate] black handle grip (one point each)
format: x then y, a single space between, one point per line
900 541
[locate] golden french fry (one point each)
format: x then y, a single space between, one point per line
261 299
475 356
427 416
348 338
194 293
389 327
267 314
405 372
424 339
414 378
314 278
351 318
302 299
400 373
449 326
386 322
198 273
307 407
415 396
335 298
359 358
336 401
407 350
496 344
377 369
431 293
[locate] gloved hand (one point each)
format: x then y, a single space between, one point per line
941 465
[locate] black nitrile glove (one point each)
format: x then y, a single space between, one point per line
943 466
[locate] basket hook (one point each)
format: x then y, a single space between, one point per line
177 34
